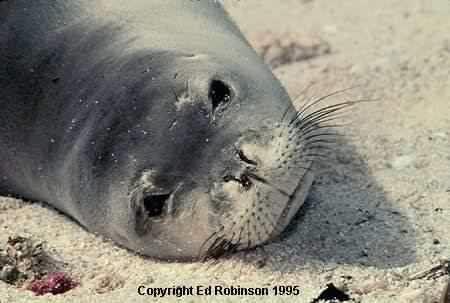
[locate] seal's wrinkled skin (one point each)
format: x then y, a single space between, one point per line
153 123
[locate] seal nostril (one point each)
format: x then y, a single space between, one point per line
245 159
219 94
246 181
154 204
229 178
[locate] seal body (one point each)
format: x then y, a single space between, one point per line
153 123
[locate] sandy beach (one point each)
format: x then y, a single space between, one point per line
376 223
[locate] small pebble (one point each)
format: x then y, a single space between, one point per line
402 162
109 283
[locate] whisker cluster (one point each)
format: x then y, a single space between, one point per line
313 130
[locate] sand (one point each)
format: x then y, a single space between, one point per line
378 216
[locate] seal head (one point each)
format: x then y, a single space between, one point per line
151 122
223 171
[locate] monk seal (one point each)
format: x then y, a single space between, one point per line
153 123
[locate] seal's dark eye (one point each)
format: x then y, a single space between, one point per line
219 94
154 204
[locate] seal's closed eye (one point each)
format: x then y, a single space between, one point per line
219 94
154 204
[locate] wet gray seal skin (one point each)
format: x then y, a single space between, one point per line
153 123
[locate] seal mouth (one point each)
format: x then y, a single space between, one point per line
298 194
291 198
